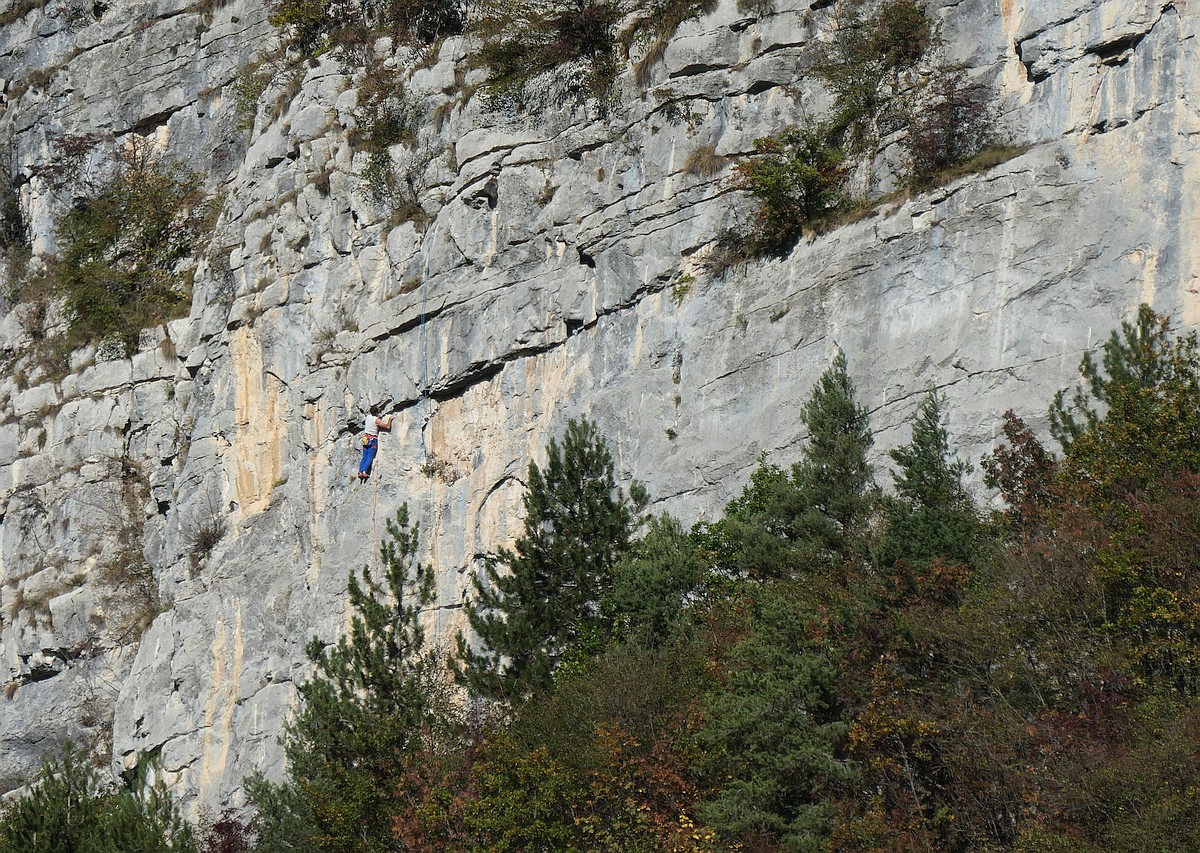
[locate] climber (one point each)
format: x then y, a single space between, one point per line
370 439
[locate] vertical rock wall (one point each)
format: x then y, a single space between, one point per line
561 273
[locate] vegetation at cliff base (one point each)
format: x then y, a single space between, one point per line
830 666
72 807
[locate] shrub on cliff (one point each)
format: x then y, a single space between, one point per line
315 27
797 178
541 55
523 40
126 242
953 121
864 66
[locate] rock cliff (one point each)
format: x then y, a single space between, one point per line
176 525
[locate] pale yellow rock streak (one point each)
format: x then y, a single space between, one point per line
261 420
320 464
221 704
1013 78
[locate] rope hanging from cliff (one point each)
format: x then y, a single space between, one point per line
424 390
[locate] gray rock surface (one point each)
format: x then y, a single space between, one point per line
562 272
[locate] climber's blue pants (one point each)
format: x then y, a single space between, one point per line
368 456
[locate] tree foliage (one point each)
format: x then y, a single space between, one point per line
835 481
796 177
133 227
863 65
72 809
652 584
578 526
375 696
772 730
931 514
816 516
1137 413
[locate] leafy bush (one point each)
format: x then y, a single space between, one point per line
125 245
797 178
347 27
952 122
863 66
524 40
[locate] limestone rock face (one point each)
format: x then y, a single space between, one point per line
177 525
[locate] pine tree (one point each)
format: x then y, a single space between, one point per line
1139 415
931 514
71 809
651 585
834 479
816 515
578 525
772 730
374 697
756 538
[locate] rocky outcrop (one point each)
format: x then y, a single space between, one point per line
177 525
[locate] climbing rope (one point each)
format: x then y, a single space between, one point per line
424 390
374 532
423 408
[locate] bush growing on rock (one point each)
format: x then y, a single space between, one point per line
797 178
864 66
524 40
126 243
316 27
952 122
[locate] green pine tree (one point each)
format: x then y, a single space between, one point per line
772 731
578 525
651 586
816 515
1139 413
374 698
931 514
71 809
836 483
756 536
